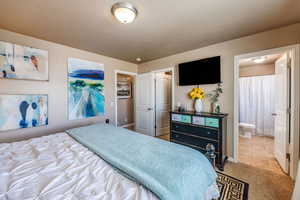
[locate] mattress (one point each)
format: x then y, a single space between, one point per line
56 167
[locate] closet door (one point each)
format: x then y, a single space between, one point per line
281 115
145 104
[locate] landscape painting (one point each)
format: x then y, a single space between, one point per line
20 62
23 111
86 89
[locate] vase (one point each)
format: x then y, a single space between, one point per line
212 108
215 108
198 105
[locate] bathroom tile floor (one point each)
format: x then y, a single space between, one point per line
259 152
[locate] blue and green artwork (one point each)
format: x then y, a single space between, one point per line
86 89
23 111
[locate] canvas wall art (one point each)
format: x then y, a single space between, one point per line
86 89
20 62
23 111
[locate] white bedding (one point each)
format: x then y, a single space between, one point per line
56 167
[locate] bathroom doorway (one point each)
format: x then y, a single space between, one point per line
264 91
287 148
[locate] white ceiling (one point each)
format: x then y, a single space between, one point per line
162 28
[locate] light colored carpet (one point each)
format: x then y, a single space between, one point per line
263 184
259 152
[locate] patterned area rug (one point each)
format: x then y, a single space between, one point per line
232 188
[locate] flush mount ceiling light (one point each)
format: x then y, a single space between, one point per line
124 12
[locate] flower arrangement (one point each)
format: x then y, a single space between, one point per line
197 93
214 96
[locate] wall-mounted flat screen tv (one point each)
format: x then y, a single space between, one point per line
200 72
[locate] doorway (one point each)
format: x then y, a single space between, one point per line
163 103
125 99
154 100
264 83
266 120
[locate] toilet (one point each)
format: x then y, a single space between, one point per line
246 130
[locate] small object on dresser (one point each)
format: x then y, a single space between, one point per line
181 109
210 154
217 108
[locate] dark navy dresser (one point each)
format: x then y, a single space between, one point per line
196 130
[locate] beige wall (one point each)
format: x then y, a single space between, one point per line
257 70
227 50
56 88
125 106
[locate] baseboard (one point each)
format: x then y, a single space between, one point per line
127 125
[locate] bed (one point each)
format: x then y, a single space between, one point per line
58 167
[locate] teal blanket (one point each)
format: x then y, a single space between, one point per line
171 171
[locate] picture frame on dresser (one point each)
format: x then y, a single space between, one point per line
197 130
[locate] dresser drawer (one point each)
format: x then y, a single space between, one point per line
182 118
198 120
197 131
190 140
212 122
218 160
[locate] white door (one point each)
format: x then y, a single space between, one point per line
163 84
145 104
281 127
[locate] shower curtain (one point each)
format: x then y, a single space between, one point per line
257 103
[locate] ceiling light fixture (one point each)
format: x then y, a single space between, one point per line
124 12
138 59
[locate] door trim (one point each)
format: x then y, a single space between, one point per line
294 122
116 93
172 69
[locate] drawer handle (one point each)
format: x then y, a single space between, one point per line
176 126
176 136
208 133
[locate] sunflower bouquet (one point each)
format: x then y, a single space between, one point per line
197 93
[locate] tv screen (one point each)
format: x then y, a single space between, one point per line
199 72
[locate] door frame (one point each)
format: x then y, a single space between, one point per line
116 93
172 69
294 120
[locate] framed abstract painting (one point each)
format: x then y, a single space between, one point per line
85 89
23 111
20 62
